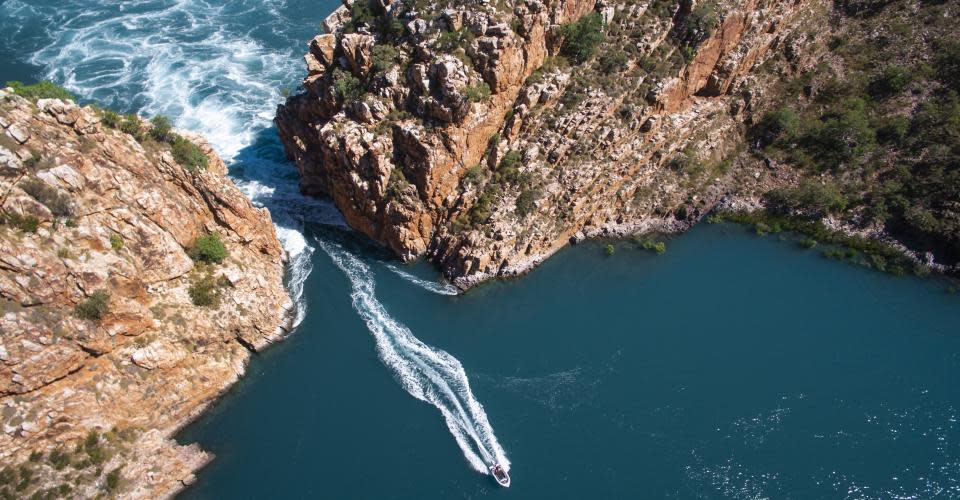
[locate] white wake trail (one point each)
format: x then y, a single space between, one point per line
428 374
438 288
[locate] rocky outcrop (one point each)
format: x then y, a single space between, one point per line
92 214
476 145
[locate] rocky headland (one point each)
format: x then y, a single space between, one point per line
486 135
480 135
135 281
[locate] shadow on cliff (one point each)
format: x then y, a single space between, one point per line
264 173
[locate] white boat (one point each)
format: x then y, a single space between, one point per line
500 474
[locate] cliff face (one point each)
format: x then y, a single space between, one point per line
463 133
103 353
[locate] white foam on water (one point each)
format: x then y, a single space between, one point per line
199 63
428 374
431 286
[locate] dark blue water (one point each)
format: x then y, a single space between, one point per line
733 366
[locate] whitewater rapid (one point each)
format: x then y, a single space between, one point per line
218 68
207 65
427 373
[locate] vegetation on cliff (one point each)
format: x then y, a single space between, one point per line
99 296
875 128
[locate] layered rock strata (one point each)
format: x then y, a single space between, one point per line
463 136
91 394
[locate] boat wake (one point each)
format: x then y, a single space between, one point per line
428 374
431 286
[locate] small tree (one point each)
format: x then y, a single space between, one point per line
582 38
188 154
209 249
131 125
384 57
161 128
526 202
346 87
477 93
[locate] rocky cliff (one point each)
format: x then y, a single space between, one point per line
488 135
132 289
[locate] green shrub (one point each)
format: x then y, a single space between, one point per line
613 61
808 242
891 81
209 248
948 63
360 14
59 205
161 128
384 57
474 175
480 212
658 247
777 124
450 41
397 184
131 125
581 38
609 250
91 446
477 93
58 459
812 196
113 479
526 202
41 90
510 159
116 242
893 129
700 23
188 154
204 291
843 136
95 307
110 118
346 87
390 26
25 223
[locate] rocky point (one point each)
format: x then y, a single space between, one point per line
117 330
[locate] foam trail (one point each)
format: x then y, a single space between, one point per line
438 288
428 374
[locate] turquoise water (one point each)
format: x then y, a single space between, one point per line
733 366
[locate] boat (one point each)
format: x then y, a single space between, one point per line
500 474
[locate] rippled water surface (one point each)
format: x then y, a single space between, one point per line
733 366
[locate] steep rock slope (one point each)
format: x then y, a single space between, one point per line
479 133
104 352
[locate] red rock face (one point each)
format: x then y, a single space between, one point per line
395 161
116 215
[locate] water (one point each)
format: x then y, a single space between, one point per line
733 366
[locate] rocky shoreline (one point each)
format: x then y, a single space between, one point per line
477 138
136 281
